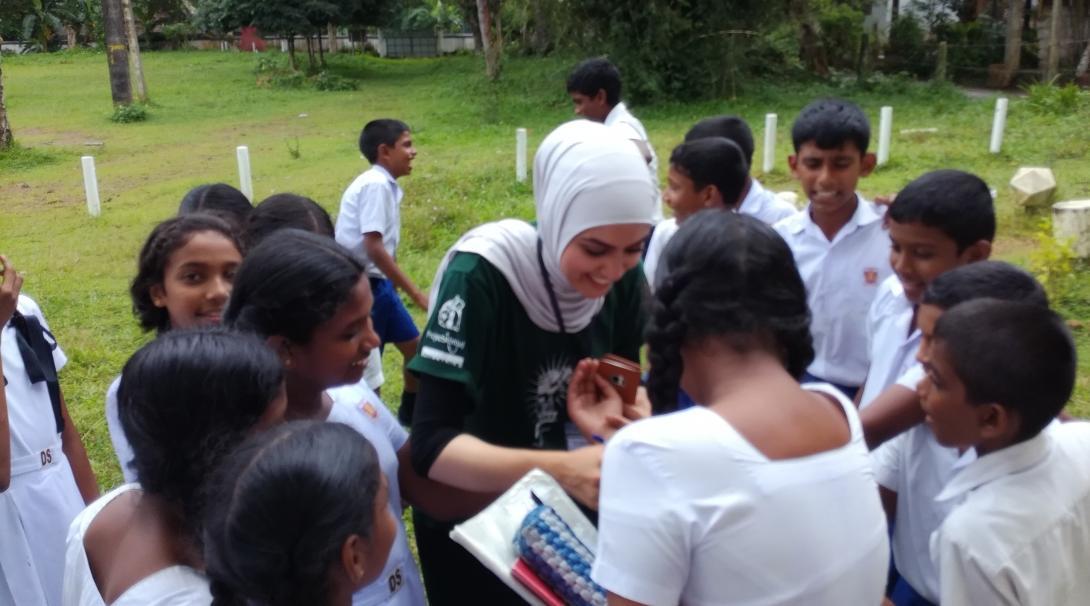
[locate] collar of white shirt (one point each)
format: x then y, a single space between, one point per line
380 169
615 113
865 214
753 198
992 466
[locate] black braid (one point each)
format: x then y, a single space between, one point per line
665 335
730 277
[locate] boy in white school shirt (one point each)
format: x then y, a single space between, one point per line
913 468
595 89
755 201
369 222
998 373
839 244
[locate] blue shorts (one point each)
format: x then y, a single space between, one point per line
388 314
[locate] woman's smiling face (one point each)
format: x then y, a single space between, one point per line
597 258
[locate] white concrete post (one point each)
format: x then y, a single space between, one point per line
90 186
998 124
885 133
245 180
520 154
1071 222
770 143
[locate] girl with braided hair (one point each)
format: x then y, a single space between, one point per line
764 495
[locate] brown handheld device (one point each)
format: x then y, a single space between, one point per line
623 373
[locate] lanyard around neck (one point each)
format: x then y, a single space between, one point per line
549 289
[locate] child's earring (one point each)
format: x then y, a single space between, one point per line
158 297
354 559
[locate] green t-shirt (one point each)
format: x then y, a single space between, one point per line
516 374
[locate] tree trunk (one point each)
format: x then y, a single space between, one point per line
310 53
135 64
321 53
1082 72
332 32
117 54
6 138
813 52
291 53
541 38
1013 57
488 39
1053 68
70 33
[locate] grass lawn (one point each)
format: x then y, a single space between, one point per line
206 103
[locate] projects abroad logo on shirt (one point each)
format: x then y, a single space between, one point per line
450 313
444 347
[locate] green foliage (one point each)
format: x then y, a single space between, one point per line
18 158
688 50
1052 262
907 48
1049 99
126 114
973 46
841 27
332 82
267 63
431 15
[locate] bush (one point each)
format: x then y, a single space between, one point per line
973 46
126 114
907 48
1047 99
332 82
841 33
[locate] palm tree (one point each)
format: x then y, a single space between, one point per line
41 24
6 138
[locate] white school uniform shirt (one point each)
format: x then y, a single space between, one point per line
172 586
630 127
372 203
1021 533
764 205
43 497
691 513
917 468
659 238
842 278
122 448
892 347
359 408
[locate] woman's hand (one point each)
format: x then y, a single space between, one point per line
580 473
641 408
594 405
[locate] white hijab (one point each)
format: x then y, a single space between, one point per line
585 176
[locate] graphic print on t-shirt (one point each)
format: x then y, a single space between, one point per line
548 396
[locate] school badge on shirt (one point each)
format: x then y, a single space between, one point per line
870 275
369 409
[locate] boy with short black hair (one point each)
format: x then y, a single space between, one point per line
998 373
939 221
755 199
369 222
912 468
840 247
595 89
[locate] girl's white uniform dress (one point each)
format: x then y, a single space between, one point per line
171 586
43 497
359 408
691 513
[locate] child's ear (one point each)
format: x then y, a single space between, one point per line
793 162
600 96
282 346
354 559
977 251
997 422
158 295
868 163
711 196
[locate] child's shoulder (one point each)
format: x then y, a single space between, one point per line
28 306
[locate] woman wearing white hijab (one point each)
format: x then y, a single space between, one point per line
514 308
